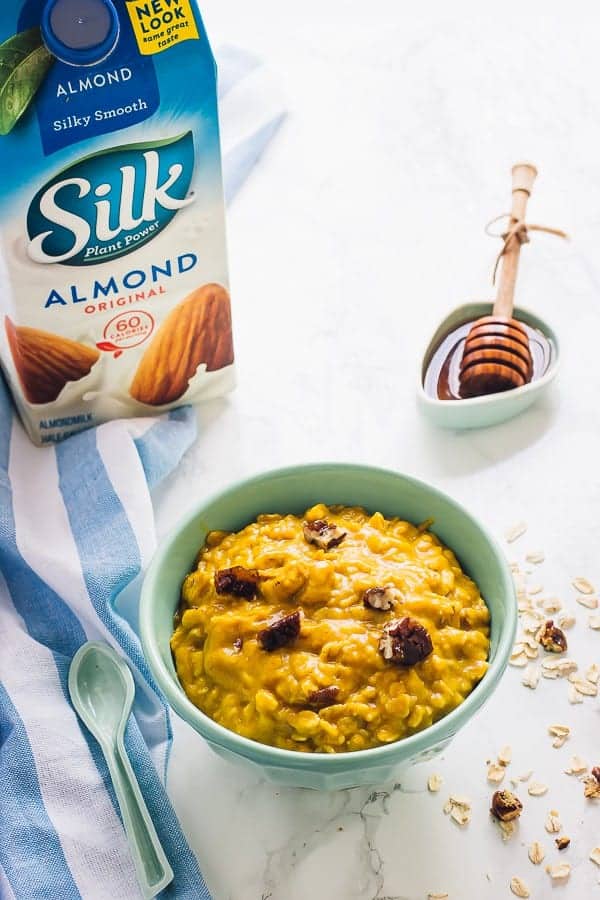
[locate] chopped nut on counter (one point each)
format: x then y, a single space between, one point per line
238 581
280 631
325 696
506 806
405 642
383 598
536 853
562 842
434 783
592 784
552 638
583 586
323 534
518 887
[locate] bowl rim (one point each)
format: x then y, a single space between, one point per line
265 754
506 397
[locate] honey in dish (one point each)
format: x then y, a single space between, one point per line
441 380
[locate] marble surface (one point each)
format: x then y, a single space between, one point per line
361 227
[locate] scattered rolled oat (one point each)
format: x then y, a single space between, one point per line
459 809
584 586
552 823
531 676
518 659
505 755
535 589
535 556
537 789
506 806
437 896
592 673
574 695
495 773
560 871
566 621
536 853
515 531
562 842
594 622
587 601
560 733
577 766
558 668
508 829
584 686
551 605
595 855
434 783
518 887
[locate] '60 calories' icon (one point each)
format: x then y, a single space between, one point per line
127 330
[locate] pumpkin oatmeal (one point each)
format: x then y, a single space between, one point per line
332 632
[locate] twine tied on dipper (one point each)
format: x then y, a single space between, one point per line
519 230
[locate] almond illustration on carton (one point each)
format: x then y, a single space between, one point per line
197 330
46 362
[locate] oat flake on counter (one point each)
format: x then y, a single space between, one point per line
515 531
583 586
536 853
518 887
434 783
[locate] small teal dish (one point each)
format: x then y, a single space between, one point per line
293 490
481 412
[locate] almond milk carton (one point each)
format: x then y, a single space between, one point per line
114 288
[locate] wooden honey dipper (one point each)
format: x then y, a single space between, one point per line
496 355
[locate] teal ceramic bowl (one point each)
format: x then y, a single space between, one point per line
294 490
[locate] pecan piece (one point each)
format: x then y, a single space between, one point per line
238 581
506 806
280 631
552 638
592 783
562 842
323 697
405 642
323 534
380 597
238 644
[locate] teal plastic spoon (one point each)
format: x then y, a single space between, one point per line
102 690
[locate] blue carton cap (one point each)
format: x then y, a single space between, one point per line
80 32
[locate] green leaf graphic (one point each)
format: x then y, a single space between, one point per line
24 62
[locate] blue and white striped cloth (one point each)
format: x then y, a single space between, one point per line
76 532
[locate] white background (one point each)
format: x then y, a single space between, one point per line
360 229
